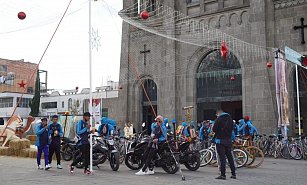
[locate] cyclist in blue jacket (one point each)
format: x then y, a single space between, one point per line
83 132
42 143
106 128
158 135
247 128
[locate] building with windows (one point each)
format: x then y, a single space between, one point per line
105 100
12 73
198 76
8 103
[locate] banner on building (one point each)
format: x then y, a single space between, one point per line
282 97
96 104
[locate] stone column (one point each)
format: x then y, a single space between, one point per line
262 107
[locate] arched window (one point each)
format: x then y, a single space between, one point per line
219 77
151 89
69 104
219 85
148 115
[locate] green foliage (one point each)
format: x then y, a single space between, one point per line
34 104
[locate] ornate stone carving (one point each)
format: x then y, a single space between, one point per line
279 4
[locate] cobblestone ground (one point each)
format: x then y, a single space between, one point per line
273 171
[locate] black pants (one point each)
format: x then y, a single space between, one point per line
85 156
224 151
55 147
148 156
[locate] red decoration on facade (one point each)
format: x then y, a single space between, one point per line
232 78
269 64
21 15
144 15
22 84
224 50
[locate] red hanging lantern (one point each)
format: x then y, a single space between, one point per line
224 50
232 78
269 64
144 15
21 15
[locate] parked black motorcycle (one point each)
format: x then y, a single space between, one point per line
103 150
68 149
190 158
164 158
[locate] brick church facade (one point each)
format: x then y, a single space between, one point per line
265 23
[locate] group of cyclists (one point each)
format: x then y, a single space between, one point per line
160 128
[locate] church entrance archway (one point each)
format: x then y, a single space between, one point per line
148 114
219 86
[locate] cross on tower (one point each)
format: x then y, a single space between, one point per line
144 52
302 27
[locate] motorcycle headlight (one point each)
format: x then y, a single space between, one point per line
111 142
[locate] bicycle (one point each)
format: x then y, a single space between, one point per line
255 155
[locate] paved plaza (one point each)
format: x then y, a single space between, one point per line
23 171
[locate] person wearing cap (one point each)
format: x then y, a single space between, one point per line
42 143
83 132
248 129
158 135
223 129
55 132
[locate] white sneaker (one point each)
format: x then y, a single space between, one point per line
59 166
49 165
140 173
150 172
40 167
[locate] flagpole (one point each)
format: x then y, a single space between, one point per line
90 76
139 6
298 102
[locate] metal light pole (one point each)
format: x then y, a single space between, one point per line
90 76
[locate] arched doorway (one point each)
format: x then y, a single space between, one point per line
148 115
302 84
219 86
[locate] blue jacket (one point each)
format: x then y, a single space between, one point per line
168 125
156 132
252 129
82 132
236 129
39 131
202 131
109 132
60 129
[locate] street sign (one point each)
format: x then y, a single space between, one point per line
294 56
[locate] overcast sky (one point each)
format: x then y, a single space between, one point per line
67 58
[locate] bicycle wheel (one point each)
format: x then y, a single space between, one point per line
214 159
240 157
206 156
285 152
257 154
295 152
